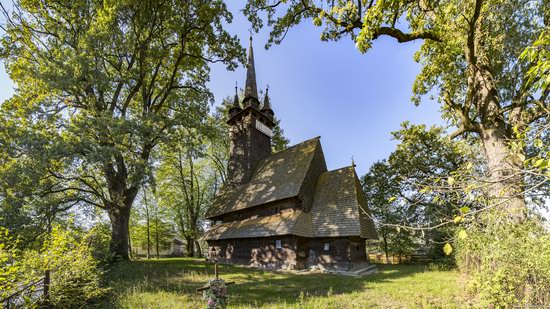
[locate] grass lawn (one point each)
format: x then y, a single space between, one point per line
171 283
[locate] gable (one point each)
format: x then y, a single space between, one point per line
339 208
282 175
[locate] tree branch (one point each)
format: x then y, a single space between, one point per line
466 123
405 37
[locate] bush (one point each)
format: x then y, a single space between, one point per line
16 278
99 239
442 264
75 276
10 264
507 264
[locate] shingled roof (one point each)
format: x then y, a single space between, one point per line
286 223
277 177
339 208
332 202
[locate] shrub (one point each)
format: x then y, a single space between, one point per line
75 276
442 264
507 264
99 238
10 268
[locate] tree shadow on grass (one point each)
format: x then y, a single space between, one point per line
288 287
252 286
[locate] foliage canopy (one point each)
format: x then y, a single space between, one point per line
100 85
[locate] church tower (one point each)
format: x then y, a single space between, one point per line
250 128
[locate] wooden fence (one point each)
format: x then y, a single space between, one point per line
380 258
32 291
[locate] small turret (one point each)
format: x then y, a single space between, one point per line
236 107
266 108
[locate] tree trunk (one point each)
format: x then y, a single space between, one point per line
505 181
148 223
157 235
199 249
506 186
190 248
130 244
385 238
120 218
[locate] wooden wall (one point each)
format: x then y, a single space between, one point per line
342 252
296 252
259 252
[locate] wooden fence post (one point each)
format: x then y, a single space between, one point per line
47 303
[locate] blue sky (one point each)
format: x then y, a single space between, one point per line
353 101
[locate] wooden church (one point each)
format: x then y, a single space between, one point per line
284 210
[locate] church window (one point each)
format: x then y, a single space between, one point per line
327 246
278 244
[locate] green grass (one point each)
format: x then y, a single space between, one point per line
171 283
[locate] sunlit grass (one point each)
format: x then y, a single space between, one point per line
171 283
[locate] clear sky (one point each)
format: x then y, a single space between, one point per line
327 89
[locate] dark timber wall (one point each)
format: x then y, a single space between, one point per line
296 252
342 253
248 146
260 252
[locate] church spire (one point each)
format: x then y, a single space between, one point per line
250 89
250 129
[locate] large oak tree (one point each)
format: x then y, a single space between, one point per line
100 84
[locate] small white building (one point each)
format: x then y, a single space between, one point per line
175 249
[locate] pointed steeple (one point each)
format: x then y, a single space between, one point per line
236 107
236 98
266 108
250 129
267 104
250 89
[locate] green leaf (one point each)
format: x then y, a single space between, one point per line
450 181
538 163
391 199
538 143
464 209
448 249
317 21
